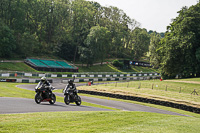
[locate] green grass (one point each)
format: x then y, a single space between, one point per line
143 69
96 68
98 122
86 122
16 66
10 90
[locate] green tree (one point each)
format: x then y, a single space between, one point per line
82 13
180 46
97 44
7 41
154 49
140 44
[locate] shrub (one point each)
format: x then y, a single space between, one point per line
117 63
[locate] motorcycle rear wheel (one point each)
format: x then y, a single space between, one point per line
67 99
53 99
78 102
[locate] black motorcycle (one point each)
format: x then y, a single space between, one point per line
43 94
71 95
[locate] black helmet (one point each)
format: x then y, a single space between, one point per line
43 79
70 82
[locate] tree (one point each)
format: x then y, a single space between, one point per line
140 44
97 44
180 46
7 41
154 49
82 20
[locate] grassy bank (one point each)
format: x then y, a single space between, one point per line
16 66
174 91
98 122
22 67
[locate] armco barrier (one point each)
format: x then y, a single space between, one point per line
18 74
146 100
24 80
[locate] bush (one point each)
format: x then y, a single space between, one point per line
117 63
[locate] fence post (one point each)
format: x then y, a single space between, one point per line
139 86
180 90
152 86
116 84
166 88
128 85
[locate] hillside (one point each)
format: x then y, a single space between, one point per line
22 67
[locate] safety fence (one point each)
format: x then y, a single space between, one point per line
81 79
89 75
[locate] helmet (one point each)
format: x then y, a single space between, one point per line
70 82
43 79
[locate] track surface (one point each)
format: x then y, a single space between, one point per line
21 105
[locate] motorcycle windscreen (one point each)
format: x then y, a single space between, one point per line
39 85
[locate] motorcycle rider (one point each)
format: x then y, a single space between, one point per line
46 83
71 83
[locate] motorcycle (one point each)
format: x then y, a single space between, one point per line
43 94
70 95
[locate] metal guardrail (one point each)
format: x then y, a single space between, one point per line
89 75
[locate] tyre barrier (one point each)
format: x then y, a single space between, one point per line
24 80
145 100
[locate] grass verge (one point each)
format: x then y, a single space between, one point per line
98 122
84 122
178 92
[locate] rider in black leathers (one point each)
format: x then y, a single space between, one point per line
71 83
47 84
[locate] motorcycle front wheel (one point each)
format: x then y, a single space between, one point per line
53 99
67 99
78 101
38 98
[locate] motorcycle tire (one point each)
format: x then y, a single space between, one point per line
38 98
78 101
53 99
67 99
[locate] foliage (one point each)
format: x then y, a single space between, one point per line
141 41
96 45
7 41
178 52
69 29
117 63
153 50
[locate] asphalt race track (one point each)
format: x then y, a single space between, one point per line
22 105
